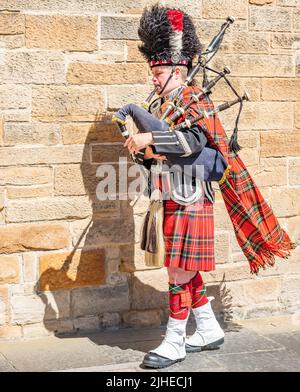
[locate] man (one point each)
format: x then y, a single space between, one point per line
169 43
191 223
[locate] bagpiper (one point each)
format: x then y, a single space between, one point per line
170 44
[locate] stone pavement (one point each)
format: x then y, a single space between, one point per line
261 345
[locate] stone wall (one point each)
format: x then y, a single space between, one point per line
71 262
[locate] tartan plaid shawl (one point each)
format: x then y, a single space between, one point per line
256 228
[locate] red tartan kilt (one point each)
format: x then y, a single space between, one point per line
189 236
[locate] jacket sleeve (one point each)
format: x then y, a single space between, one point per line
185 142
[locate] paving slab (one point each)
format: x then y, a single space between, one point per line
5 366
290 340
56 354
249 348
267 361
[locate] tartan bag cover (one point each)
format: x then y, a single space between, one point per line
256 228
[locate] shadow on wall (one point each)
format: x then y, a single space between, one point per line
91 287
222 305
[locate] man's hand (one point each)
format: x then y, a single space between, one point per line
139 141
150 154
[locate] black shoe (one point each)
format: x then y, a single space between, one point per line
156 361
211 346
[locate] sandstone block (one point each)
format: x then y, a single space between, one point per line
12 23
73 5
281 89
285 201
250 156
1 130
288 3
191 8
142 318
37 329
12 41
297 115
284 40
85 133
209 28
221 9
75 179
2 198
117 279
266 288
115 27
43 155
67 270
31 133
9 269
112 259
246 42
18 115
120 96
294 229
132 258
4 305
33 67
228 273
268 309
110 320
270 19
90 73
223 93
69 103
58 305
294 171
27 309
21 192
221 247
291 266
60 326
10 332
243 294
271 172
249 139
25 175
227 296
296 20
133 53
290 289
112 51
88 323
256 65
221 217
149 289
261 116
48 209
13 96
261 2
108 153
276 144
23 238
29 267
91 301
107 230
72 33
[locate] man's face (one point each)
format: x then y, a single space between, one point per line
161 74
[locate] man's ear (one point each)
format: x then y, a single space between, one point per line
177 72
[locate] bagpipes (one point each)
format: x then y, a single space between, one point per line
214 163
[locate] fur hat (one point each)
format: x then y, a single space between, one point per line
168 37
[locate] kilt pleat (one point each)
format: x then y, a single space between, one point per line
189 236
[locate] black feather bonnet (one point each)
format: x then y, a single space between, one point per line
168 37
